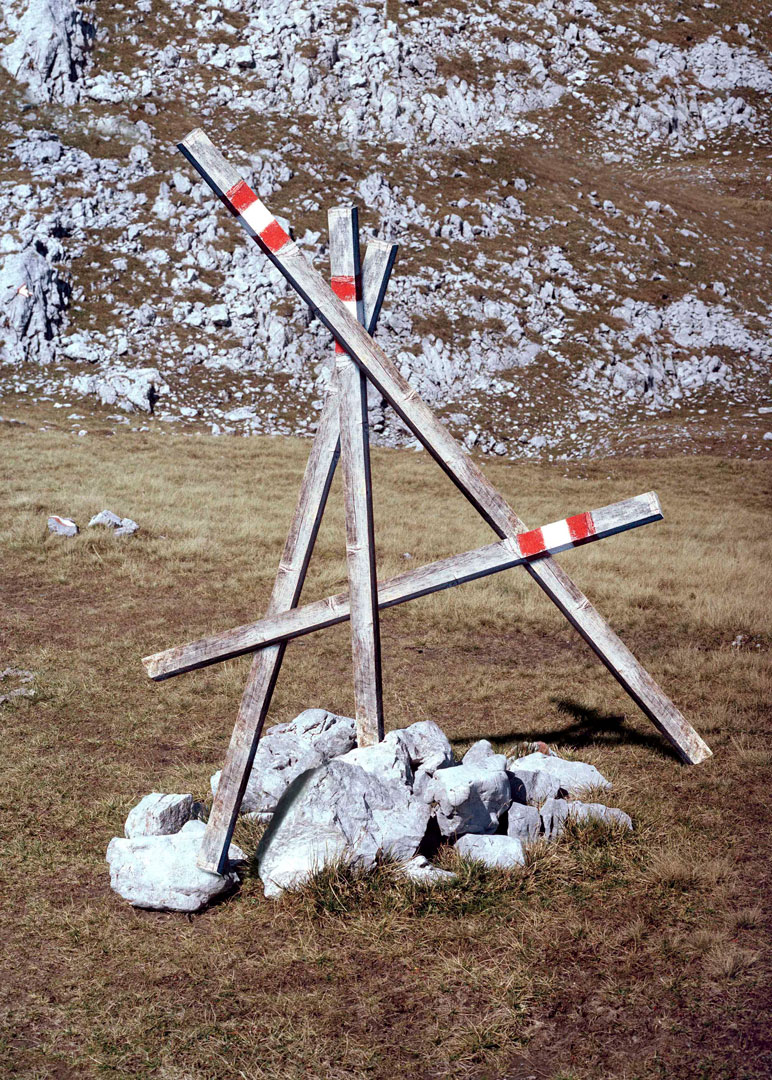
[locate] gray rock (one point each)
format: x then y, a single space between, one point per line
48 49
498 851
127 527
468 798
429 750
160 872
553 816
105 517
387 759
524 823
286 750
17 675
532 787
338 811
421 871
555 813
573 777
62 526
482 753
159 815
128 388
32 297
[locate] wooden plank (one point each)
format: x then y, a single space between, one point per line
314 488
227 183
443 574
357 486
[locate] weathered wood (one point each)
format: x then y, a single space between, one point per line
357 486
227 183
443 574
315 486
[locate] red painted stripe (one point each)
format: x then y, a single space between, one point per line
274 237
240 196
580 526
531 543
339 348
344 286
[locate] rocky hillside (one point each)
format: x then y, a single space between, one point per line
579 189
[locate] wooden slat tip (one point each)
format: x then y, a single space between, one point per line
192 137
656 505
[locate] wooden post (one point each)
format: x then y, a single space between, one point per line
233 190
357 486
315 486
443 574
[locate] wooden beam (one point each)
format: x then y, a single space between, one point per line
258 221
357 486
315 486
443 574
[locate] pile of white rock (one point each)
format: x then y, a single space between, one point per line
325 801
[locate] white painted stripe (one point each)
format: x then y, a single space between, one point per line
257 216
556 535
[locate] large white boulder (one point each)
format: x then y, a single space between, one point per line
125 387
339 811
160 872
573 777
159 815
532 786
286 750
468 798
499 851
33 299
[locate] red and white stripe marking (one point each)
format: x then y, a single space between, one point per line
557 536
255 216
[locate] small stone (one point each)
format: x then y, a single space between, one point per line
495 851
524 823
159 815
421 871
105 517
160 872
62 526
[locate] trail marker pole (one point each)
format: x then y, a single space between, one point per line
350 312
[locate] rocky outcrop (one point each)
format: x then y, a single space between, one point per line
48 47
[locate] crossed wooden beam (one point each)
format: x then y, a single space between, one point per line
349 307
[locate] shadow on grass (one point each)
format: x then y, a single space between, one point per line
591 726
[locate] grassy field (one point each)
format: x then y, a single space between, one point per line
617 957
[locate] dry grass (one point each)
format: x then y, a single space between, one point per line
610 955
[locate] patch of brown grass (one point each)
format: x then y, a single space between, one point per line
603 938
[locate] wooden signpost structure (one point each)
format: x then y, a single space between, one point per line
349 307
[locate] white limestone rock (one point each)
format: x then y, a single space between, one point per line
62 526
160 872
496 851
338 811
422 872
573 777
106 518
386 759
553 816
468 798
523 823
48 49
285 751
159 815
